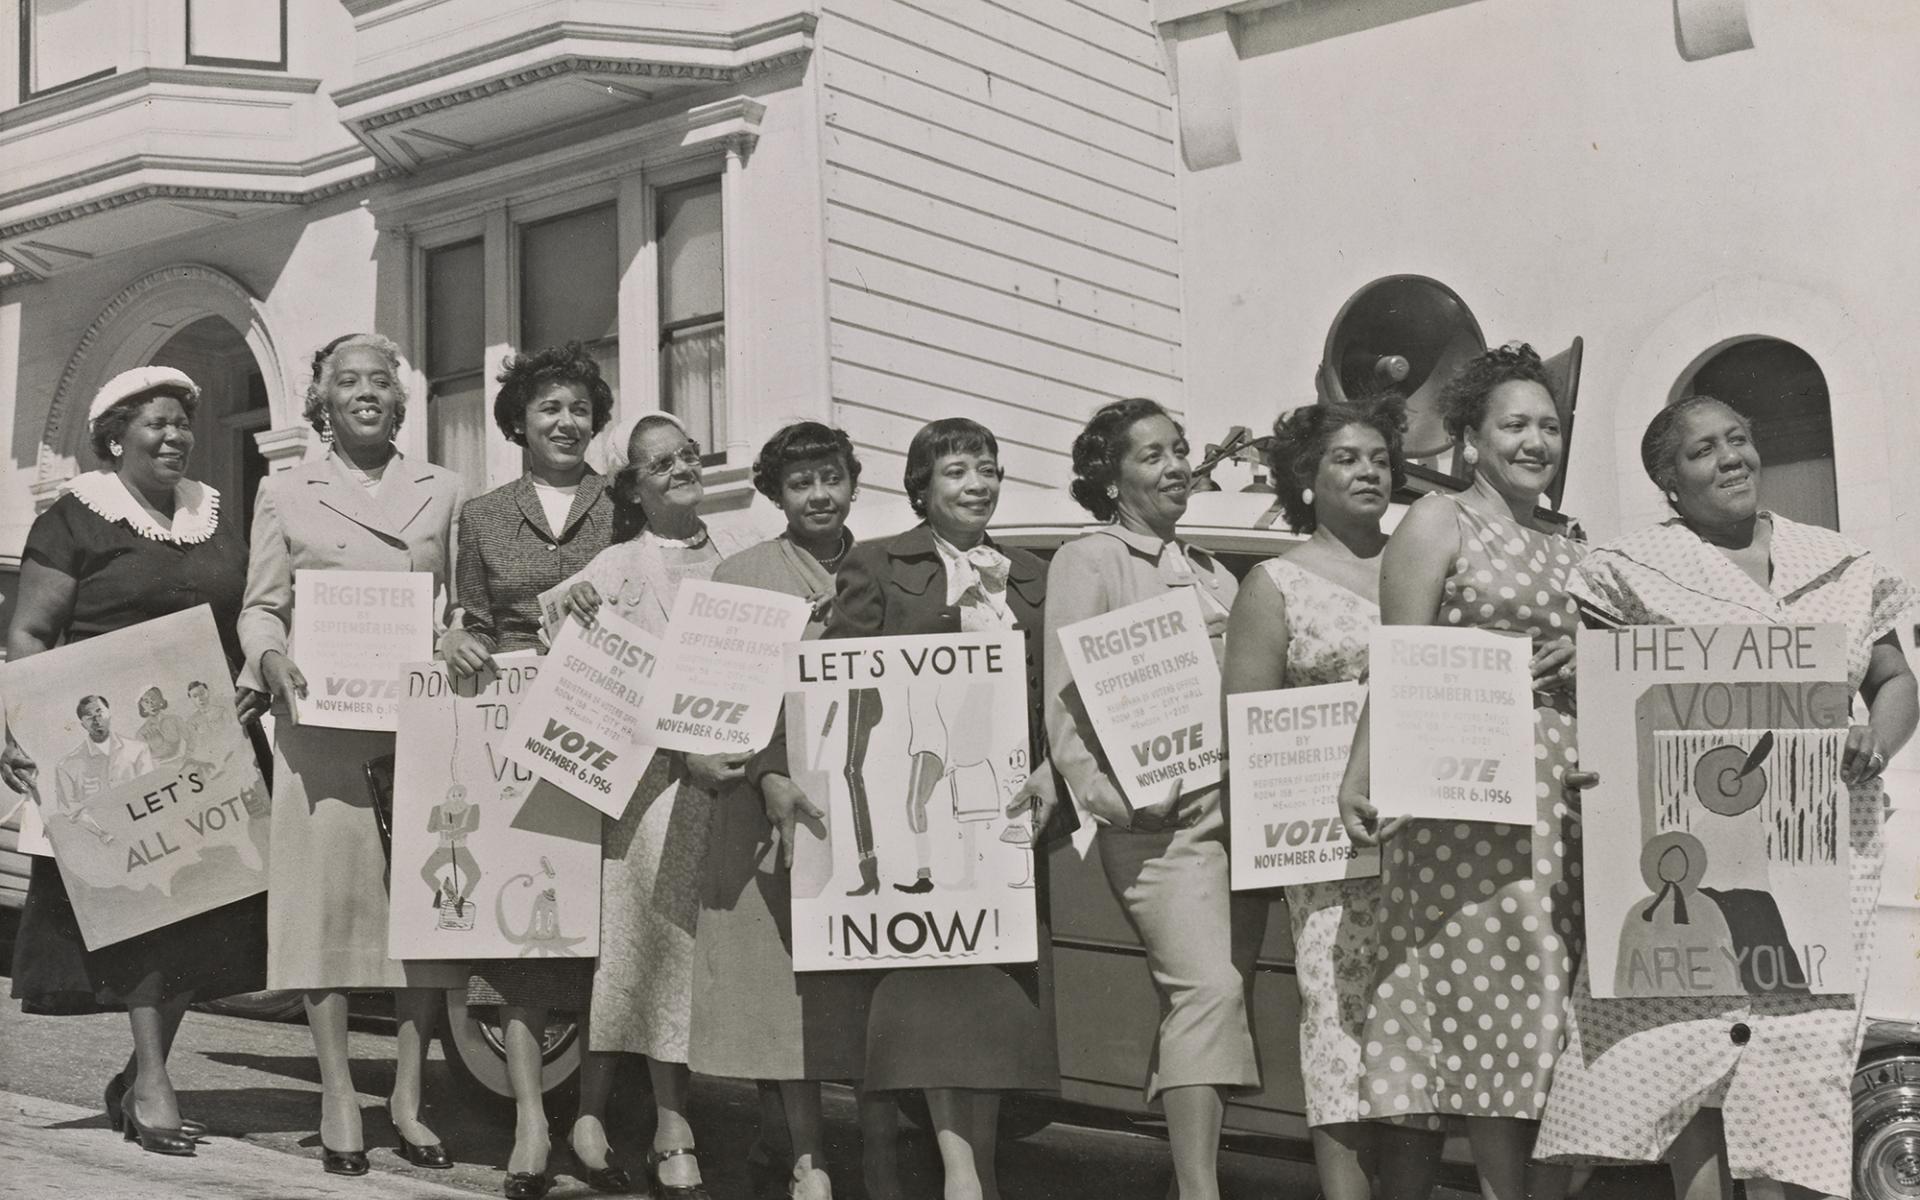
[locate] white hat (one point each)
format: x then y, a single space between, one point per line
136 381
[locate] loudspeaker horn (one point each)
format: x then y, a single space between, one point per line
1410 333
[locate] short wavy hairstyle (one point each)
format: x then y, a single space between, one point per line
1660 444
629 515
1463 401
1099 447
802 441
323 370
933 442
109 429
1301 438
524 376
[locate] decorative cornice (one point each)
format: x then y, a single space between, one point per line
126 81
318 165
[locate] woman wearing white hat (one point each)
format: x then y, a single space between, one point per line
125 544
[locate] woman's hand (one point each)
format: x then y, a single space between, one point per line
1104 804
1552 667
1159 816
1864 758
18 770
283 679
715 771
250 704
465 654
1363 824
786 805
583 601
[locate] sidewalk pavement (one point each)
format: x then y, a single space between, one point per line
55 1151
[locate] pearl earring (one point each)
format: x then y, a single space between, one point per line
1673 497
113 448
1113 491
1306 495
1471 455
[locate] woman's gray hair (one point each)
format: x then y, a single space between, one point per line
323 369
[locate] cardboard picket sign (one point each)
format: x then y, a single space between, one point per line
147 786
579 727
721 663
1451 715
1716 844
1287 750
488 861
351 631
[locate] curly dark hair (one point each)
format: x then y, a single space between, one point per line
1301 437
1660 444
1463 402
524 376
110 427
934 441
1099 447
801 442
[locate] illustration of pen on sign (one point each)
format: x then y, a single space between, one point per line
810 874
1735 812
541 937
454 819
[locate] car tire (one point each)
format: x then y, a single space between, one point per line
1886 1124
258 1006
476 1056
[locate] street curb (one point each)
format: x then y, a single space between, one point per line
58 1150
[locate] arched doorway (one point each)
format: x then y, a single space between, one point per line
233 408
1782 392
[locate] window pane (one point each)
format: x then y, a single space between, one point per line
456 309
1780 389
693 381
569 279
692 261
71 39
238 29
457 428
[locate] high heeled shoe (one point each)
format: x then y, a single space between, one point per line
433 1157
153 1141
342 1162
611 1180
525 1185
117 1089
663 1190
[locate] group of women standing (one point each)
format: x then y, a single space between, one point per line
1447 994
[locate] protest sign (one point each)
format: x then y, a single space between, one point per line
721 666
488 862
147 786
946 877
579 727
1287 751
1452 724
1147 676
1716 843
351 631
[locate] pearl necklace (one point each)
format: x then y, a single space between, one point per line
832 561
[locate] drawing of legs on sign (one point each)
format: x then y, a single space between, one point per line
864 712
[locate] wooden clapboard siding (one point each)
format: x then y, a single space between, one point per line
1002 236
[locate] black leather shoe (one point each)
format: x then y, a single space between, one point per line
611 1179
525 1185
343 1162
117 1089
663 1190
153 1141
434 1156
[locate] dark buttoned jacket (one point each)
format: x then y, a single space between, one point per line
508 556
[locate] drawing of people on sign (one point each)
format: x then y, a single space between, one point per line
102 759
165 733
450 870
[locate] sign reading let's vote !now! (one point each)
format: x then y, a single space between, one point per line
351 632
1717 843
722 668
1288 751
1452 724
579 728
1147 676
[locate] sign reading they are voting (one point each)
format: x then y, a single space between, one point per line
721 668
488 861
1451 720
351 632
1149 681
939 720
146 784
1717 844
1287 750
579 728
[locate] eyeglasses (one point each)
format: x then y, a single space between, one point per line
689 453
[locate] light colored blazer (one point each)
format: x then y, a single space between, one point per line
316 518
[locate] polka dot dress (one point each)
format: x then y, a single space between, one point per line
1478 922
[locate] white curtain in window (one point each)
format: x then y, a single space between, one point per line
458 425
693 382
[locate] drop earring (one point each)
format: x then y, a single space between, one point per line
1471 455
1673 497
1306 496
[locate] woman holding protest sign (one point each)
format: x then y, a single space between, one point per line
516 542
1747 1086
1301 620
650 874
126 544
362 507
753 1018
1479 922
961 1034
1166 864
